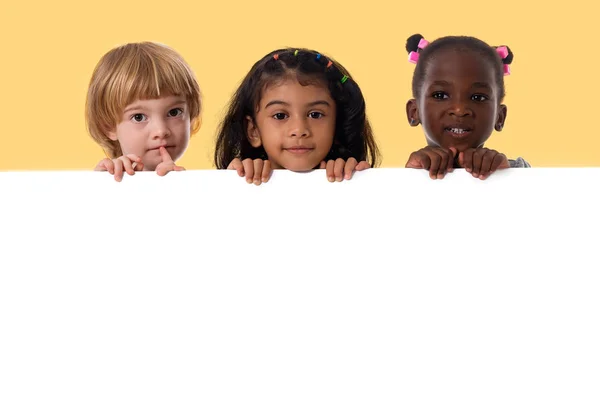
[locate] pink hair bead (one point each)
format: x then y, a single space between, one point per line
413 57
502 51
422 43
506 69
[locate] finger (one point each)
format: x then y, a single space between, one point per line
418 160
486 163
178 168
322 165
445 157
466 160
118 170
451 160
163 168
338 169
329 170
134 158
362 166
436 161
166 157
237 165
350 167
477 160
258 167
248 164
266 172
127 165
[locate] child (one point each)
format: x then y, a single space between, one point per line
143 103
296 109
458 89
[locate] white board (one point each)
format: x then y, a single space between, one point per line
389 286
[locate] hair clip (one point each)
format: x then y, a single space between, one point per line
296 53
506 70
329 64
318 56
413 56
344 78
276 56
502 51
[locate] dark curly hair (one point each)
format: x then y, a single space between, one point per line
456 43
353 133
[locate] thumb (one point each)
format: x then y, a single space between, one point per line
461 159
323 165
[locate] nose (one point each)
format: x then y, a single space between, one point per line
299 128
160 129
460 109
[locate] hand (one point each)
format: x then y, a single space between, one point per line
167 163
338 170
437 160
482 162
129 163
257 171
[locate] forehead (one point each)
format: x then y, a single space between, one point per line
460 67
291 90
157 102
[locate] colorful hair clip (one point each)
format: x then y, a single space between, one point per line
296 53
276 56
318 56
413 57
502 51
329 64
344 78
422 44
506 70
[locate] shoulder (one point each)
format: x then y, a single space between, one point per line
519 163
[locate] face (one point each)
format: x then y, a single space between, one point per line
146 125
295 124
458 105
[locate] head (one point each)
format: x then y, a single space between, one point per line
296 108
143 96
458 90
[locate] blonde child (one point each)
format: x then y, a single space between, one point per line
143 104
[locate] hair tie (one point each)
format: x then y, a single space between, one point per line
503 53
276 56
318 56
344 78
329 64
413 56
296 53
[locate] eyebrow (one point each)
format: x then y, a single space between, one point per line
142 108
311 104
481 85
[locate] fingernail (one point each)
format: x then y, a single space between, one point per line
330 178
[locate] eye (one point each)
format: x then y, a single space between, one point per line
138 117
439 95
479 97
175 112
279 116
315 114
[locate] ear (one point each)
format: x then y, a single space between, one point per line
501 117
195 125
412 113
112 135
252 133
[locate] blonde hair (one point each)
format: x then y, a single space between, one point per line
132 72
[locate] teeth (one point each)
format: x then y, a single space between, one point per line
457 131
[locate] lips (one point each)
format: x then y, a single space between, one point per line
299 149
458 131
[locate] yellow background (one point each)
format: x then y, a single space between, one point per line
49 50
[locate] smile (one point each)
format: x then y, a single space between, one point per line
458 132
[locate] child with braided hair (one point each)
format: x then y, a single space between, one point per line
458 90
296 109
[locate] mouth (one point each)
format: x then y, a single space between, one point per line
458 131
299 149
157 148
